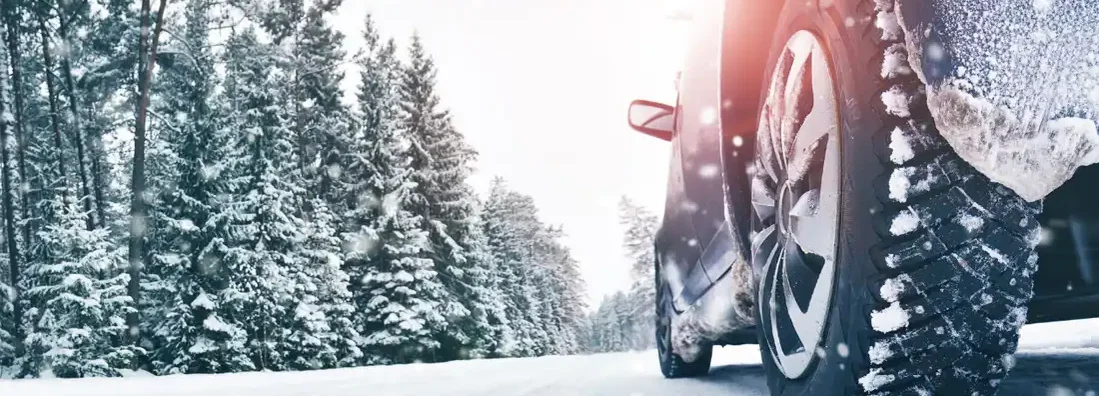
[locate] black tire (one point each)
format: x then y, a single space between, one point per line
671 365
961 274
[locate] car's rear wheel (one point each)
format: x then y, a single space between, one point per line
889 266
671 364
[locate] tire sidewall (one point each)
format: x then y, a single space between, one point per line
852 54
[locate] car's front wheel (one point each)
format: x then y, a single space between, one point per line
889 266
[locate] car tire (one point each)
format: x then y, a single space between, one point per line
671 365
932 261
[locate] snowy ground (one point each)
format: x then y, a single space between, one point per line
1059 359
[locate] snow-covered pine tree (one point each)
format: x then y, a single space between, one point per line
486 299
282 262
313 58
7 330
640 226
189 169
402 288
264 229
323 122
539 278
441 162
510 225
564 292
108 72
396 288
75 325
322 333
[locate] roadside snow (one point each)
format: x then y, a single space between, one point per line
625 374
736 371
1074 334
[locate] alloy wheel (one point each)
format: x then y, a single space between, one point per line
795 200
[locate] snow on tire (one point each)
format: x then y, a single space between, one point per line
956 257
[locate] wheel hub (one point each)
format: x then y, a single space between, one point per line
795 198
785 203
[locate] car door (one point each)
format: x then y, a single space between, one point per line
701 141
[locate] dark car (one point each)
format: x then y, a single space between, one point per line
828 197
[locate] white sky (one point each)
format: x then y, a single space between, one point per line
541 88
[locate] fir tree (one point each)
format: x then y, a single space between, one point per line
189 166
537 275
510 225
265 231
441 162
322 120
325 311
76 324
640 228
397 288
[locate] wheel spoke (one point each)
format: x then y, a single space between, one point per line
798 104
807 204
816 232
767 157
800 276
763 199
809 148
765 245
776 104
809 323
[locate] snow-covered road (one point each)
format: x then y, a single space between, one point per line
1056 360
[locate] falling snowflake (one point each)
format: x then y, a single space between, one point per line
709 116
709 171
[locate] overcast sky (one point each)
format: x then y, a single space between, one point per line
541 88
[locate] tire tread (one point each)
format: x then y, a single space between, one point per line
965 271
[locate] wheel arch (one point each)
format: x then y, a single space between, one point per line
743 69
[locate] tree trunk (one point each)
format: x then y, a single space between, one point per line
15 56
51 91
74 114
147 60
9 212
95 156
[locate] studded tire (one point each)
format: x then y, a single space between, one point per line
671 365
934 261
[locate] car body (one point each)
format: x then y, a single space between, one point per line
704 235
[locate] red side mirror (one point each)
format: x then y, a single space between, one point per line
652 118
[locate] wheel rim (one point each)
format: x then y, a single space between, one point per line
795 199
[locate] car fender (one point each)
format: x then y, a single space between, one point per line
1013 85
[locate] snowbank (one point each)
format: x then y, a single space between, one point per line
627 373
